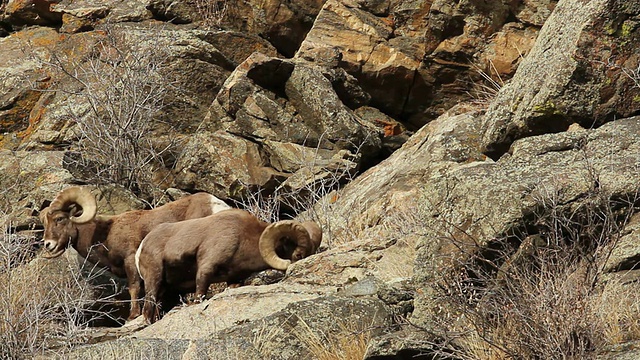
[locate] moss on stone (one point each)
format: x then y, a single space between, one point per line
547 108
627 28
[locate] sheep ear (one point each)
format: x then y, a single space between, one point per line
315 234
74 211
43 215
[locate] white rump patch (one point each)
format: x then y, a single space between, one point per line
138 252
218 205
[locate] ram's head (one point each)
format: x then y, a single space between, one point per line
289 238
72 206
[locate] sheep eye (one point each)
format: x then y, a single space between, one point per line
59 220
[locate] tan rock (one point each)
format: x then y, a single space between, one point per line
506 50
22 76
283 23
223 310
32 12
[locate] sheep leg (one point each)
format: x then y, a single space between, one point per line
151 308
135 288
203 279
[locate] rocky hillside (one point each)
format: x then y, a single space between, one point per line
474 164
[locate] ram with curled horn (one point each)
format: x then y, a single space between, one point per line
227 246
112 241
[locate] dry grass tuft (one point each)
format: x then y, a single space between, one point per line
350 342
617 308
212 12
309 194
484 91
346 341
44 304
543 294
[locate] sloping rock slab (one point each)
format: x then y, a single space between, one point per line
462 201
80 15
294 332
222 311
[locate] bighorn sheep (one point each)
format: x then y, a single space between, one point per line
112 241
226 246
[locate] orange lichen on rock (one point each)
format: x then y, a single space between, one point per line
390 127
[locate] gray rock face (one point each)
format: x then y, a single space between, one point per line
452 200
300 330
576 77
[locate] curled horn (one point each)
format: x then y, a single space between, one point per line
82 197
273 233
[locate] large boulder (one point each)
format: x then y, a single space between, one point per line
359 41
31 12
283 23
85 15
431 52
587 76
287 120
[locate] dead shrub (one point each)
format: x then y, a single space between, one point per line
212 12
44 304
116 92
309 194
541 291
